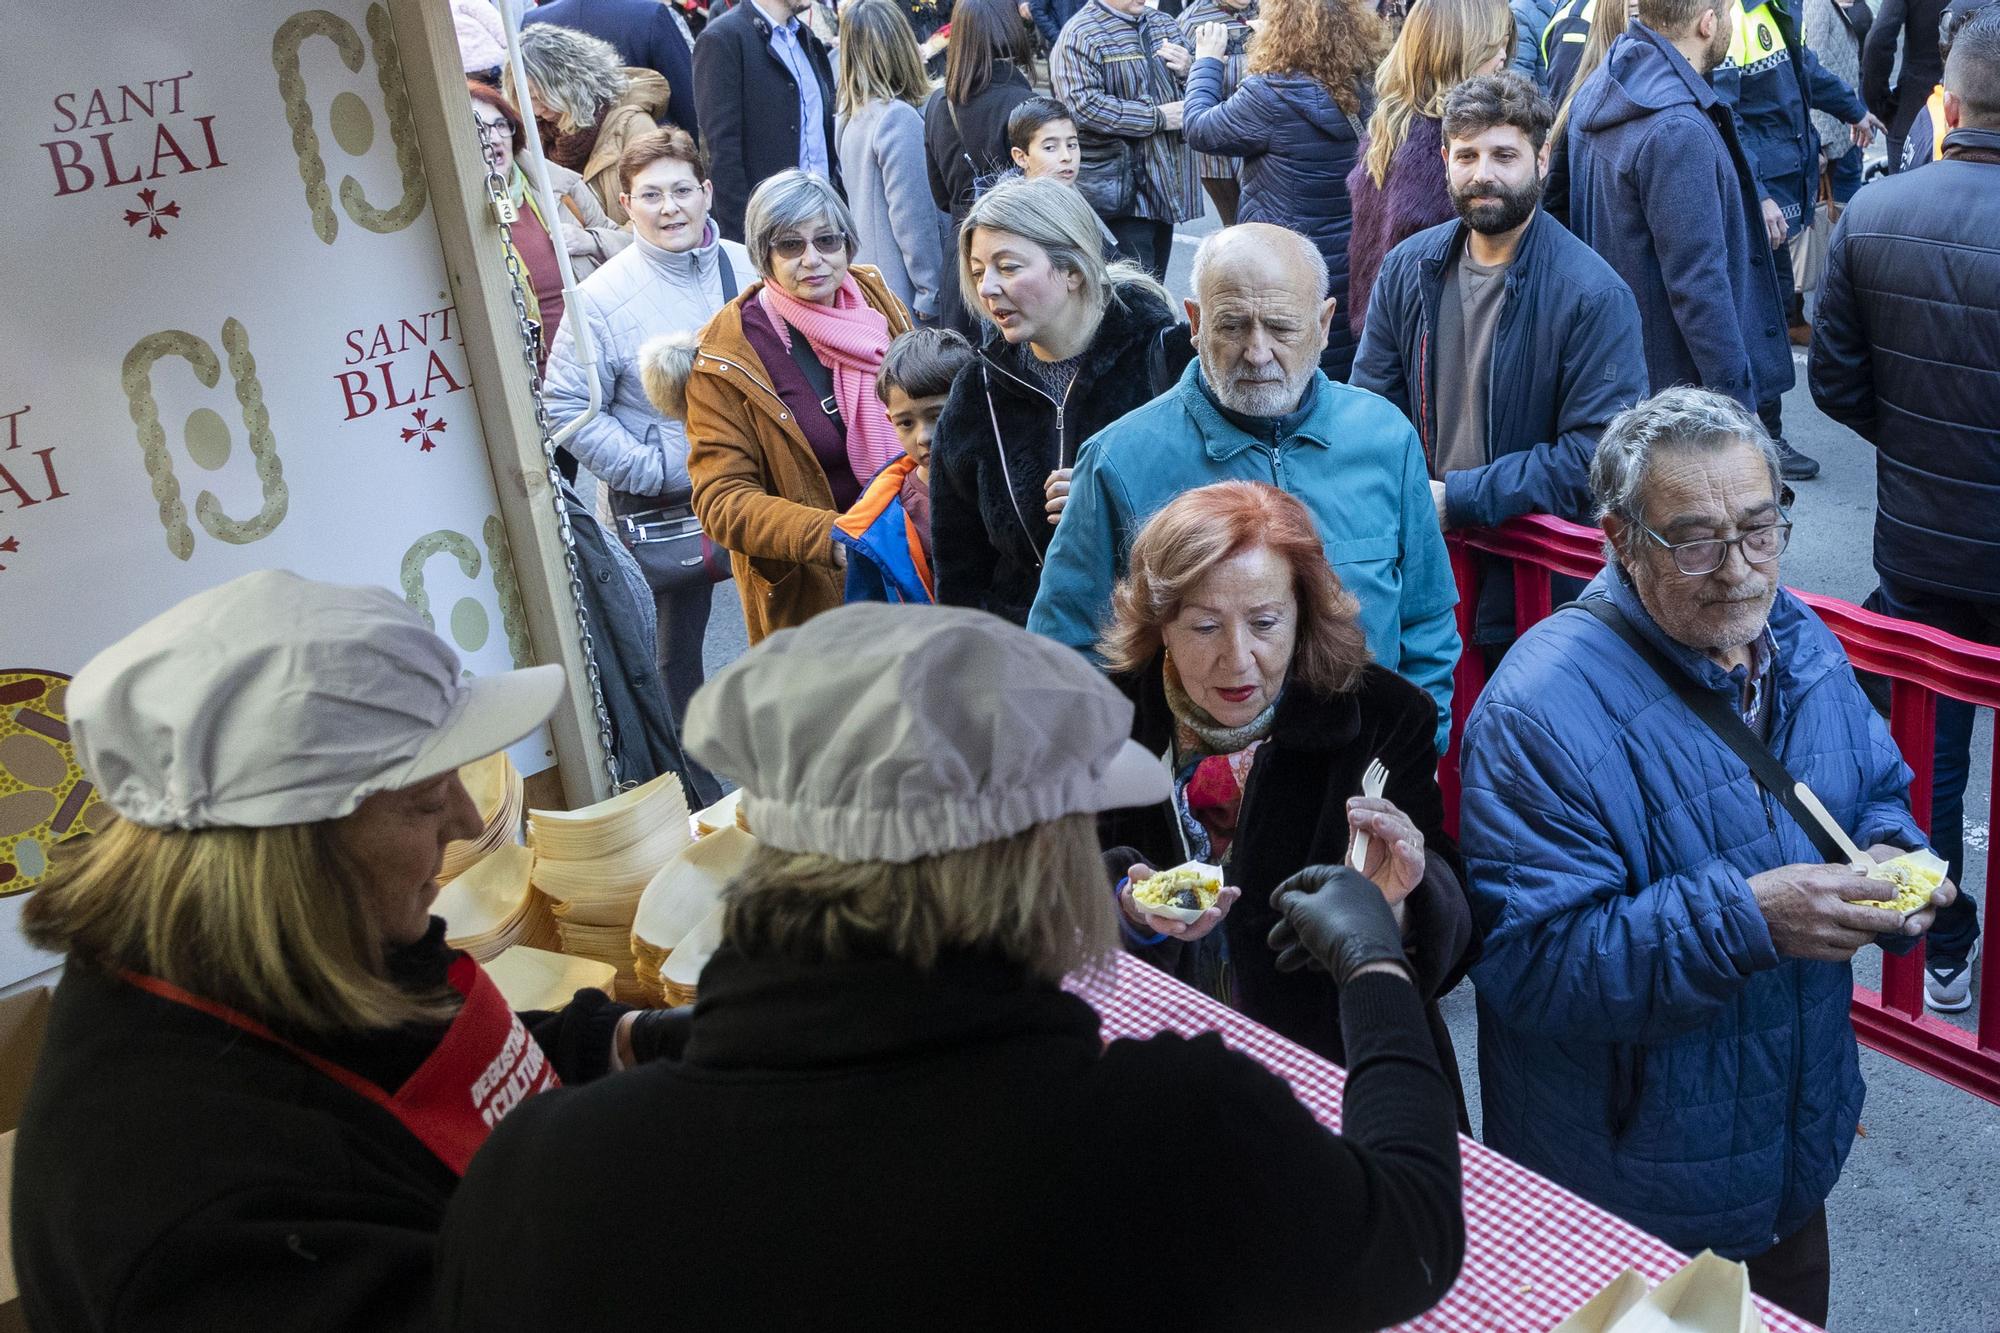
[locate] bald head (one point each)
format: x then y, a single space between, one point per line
1259 316
1260 252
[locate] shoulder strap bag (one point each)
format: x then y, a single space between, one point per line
661 531
1728 726
819 377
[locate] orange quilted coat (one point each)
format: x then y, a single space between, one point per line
758 490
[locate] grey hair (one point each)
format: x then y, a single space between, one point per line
573 74
1047 213
1204 257
791 201
1677 418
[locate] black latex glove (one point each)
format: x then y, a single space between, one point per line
661 1034
1334 916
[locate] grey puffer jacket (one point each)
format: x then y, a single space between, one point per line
643 291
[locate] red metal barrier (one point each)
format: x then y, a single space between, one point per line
1921 663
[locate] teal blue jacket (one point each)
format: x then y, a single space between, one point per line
1354 460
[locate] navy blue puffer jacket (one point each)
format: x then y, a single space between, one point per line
1297 147
1640 1039
1906 350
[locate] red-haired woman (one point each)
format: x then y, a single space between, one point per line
588 235
1252 682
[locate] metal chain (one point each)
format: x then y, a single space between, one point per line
503 209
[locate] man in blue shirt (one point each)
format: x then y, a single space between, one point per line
765 87
1255 406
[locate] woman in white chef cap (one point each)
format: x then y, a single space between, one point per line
265 1070
890 1115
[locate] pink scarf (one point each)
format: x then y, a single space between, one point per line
851 337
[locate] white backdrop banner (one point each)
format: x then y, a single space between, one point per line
231 347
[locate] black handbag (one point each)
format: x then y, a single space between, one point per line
661 531
1104 175
667 541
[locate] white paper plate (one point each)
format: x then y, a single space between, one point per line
1184 915
537 979
487 896
689 886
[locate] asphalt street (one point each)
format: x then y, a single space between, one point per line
1915 1239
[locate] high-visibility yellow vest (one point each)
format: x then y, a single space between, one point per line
1935 105
1757 43
1579 9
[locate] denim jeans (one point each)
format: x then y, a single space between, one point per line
1957 926
1771 411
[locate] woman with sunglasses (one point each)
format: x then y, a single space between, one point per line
783 423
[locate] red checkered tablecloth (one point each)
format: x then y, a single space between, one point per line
1534 1252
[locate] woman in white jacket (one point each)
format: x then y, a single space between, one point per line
880 133
675 275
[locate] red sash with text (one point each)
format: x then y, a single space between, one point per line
485 1066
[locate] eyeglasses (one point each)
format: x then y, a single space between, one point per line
1760 545
493 129
828 243
682 195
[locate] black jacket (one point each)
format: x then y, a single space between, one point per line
750 108
1920 68
1297 147
646 36
1906 351
862 1145
967 145
1567 357
989 540
175 1173
1294 815
619 607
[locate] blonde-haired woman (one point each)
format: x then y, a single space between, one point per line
588 106
879 135
1074 348
1398 188
1296 122
266 1070
886 1086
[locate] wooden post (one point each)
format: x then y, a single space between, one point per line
490 330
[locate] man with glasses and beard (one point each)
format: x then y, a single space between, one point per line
1666 963
1255 406
1506 341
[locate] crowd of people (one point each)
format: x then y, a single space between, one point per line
872 303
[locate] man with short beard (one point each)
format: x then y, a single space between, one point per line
1254 406
1659 186
1505 340
1666 967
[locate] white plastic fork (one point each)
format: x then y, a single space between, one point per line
1373 779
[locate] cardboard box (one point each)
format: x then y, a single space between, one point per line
24 1018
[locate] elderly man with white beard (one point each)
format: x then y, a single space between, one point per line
1254 406
1664 985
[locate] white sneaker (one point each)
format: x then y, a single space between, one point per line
1948 982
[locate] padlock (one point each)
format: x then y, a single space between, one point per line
503 208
